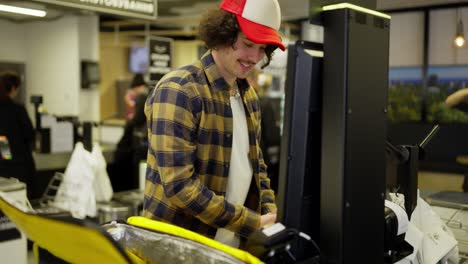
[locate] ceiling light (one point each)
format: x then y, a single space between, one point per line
355 7
22 10
459 40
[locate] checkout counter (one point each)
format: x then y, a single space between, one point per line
125 202
59 161
122 206
48 163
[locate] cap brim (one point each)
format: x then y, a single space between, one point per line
259 33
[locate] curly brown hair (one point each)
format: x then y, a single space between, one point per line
219 28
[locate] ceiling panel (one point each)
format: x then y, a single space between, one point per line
185 14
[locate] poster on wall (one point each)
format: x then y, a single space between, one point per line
443 80
405 91
407 94
160 57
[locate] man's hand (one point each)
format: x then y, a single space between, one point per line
267 219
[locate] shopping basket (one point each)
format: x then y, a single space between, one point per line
70 239
140 240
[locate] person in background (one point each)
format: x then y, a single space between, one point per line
271 136
138 86
205 168
16 133
458 100
131 149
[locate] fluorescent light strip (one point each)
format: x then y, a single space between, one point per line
22 10
355 7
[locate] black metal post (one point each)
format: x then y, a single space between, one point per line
88 135
408 178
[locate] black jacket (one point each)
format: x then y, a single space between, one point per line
131 149
17 127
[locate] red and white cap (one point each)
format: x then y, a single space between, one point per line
259 20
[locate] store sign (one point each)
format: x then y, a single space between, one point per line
160 57
145 9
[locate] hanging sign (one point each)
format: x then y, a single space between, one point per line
160 57
145 9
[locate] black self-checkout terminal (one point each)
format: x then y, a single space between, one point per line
334 149
333 161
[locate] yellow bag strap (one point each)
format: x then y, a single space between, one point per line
72 240
170 229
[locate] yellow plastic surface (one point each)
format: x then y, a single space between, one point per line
72 241
166 228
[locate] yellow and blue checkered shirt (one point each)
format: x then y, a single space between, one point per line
190 130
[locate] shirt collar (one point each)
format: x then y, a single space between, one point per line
216 81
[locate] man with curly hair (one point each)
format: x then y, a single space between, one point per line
205 167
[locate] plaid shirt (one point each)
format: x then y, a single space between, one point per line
190 130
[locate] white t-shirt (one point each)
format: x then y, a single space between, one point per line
240 170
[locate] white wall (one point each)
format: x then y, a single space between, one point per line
12 47
51 51
406 39
88 27
52 64
443 30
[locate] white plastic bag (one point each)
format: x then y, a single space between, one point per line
102 185
76 193
438 243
